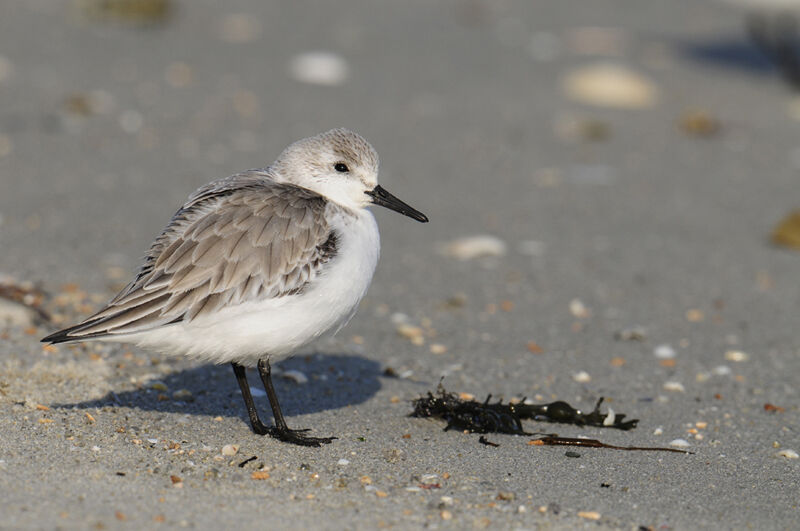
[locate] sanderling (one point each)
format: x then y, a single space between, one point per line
256 265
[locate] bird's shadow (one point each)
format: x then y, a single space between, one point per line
334 381
732 52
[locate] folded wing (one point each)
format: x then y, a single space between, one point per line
240 239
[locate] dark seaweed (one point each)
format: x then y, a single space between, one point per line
496 417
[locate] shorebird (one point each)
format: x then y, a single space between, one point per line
256 265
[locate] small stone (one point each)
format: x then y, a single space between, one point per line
343 462
698 122
413 333
319 68
674 386
259 475
15 314
610 85
534 347
578 309
788 454
610 417
680 443
230 449
446 515
438 348
664 352
183 395
721 370
694 315
589 515
633 333
296 376
472 247
582 377
787 232
158 386
736 355
255 391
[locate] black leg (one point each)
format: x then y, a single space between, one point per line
281 430
255 422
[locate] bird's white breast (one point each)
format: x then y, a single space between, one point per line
276 327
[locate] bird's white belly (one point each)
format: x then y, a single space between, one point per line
275 328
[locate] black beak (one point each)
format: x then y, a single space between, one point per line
383 198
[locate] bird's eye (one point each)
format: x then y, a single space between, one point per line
341 167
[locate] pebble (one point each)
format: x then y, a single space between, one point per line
230 449
471 247
399 318
699 122
787 232
609 420
664 352
589 515
15 314
659 431
582 377
343 462
721 370
438 348
736 355
413 333
183 395
680 443
296 376
633 333
319 68
610 85
788 454
578 309
674 386
694 315
255 391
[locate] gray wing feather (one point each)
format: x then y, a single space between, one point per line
235 240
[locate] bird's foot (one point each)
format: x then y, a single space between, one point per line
297 437
259 428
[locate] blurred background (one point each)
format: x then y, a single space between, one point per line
601 146
612 187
